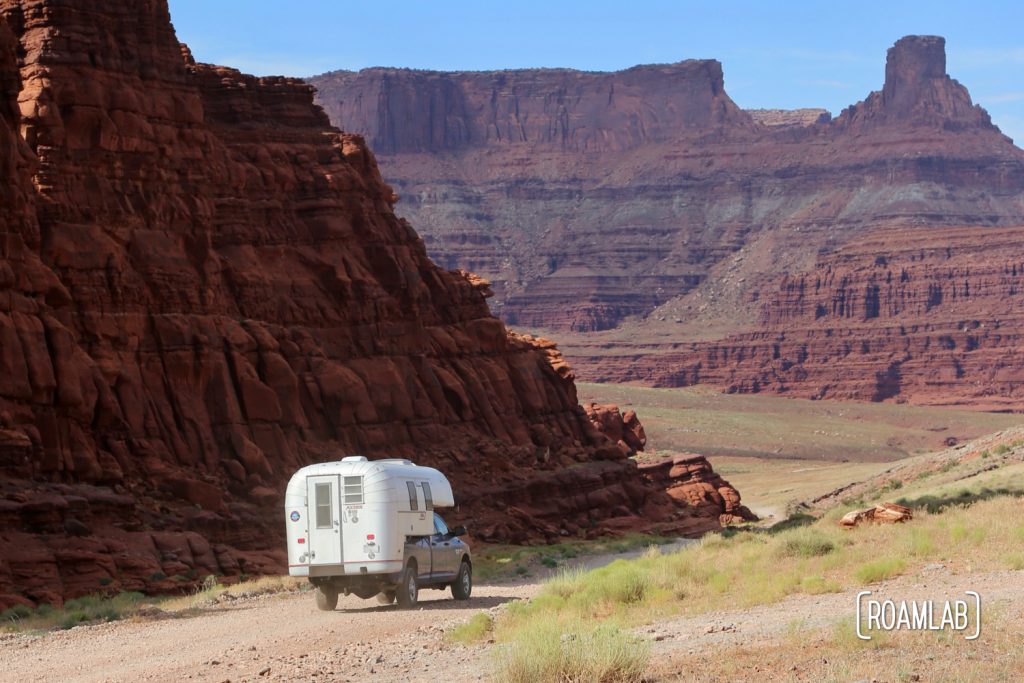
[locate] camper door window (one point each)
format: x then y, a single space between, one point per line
413 504
324 518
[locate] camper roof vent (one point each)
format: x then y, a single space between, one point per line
354 458
404 461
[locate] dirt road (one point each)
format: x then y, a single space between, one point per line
270 638
274 638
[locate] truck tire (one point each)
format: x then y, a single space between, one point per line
463 584
326 599
386 597
408 588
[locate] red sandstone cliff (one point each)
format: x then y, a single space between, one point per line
922 315
203 286
682 239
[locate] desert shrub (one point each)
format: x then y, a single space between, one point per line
1015 561
565 583
474 630
551 653
880 570
816 585
16 613
805 543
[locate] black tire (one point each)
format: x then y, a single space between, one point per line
386 597
463 584
326 599
408 588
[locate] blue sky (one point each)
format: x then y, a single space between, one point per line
775 55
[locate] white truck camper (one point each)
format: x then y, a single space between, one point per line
369 527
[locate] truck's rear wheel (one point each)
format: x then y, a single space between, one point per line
386 597
463 584
408 588
326 598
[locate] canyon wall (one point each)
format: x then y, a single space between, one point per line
204 287
927 316
659 257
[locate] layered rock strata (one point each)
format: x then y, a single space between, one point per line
921 315
691 236
204 287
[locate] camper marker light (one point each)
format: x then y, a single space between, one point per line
370 537
302 540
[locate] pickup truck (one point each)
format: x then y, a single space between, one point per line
438 561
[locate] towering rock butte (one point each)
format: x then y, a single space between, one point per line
203 286
677 251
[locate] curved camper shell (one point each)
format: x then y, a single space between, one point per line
353 516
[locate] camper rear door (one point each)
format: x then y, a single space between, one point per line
324 515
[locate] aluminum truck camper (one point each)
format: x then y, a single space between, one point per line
370 528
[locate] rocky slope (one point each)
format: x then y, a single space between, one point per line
688 238
203 287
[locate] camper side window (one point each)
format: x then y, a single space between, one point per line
427 498
324 518
353 490
413 504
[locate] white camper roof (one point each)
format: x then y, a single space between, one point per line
389 468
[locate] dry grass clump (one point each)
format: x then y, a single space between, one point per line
552 652
473 631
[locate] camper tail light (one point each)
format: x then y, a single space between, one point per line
302 540
370 537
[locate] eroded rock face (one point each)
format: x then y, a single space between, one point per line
922 315
204 287
624 430
690 479
707 237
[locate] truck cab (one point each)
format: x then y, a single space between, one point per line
441 560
